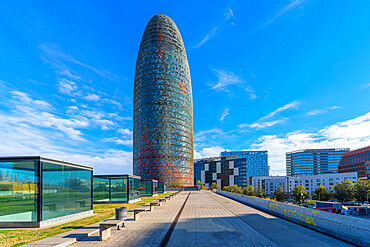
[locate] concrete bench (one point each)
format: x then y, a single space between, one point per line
162 200
152 204
172 195
167 197
137 211
105 228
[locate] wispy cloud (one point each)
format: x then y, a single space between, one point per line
91 97
57 58
227 16
353 133
227 79
284 10
365 87
321 111
262 125
213 151
315 112
224 113
293 104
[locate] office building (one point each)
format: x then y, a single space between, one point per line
37 191
116 189
307 162
356 161
223 171
256 161
163 106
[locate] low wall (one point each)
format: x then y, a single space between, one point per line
348 228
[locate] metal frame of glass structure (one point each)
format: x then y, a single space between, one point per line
36 191
163 106
149 187
116 189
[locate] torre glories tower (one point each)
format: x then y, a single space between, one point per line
163 106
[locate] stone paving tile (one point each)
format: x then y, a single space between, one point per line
149 230
205 222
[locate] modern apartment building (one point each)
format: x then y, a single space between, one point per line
256 161
270 183
307 162
356 161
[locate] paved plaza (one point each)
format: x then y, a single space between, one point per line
208 219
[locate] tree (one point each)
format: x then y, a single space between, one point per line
259 192
362 190
175 184
343 191
214 186
321 193
249 191
279 194
299 193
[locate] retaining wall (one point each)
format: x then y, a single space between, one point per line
348 228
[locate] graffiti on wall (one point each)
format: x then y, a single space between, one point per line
298 217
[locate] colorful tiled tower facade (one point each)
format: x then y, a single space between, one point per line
163 106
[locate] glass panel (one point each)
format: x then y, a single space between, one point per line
101 189
19 186
134 188
160 187
155 187
65 190
118 189
146 188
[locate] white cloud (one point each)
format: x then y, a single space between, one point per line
227 79
353 133
292 5
364 87
293 104
227 16
261 125
91 97
25 99
125 132
225 112
315 112
334 107
213 151
125 142
67 87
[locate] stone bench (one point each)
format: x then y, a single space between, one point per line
105 228
137 211
167 197
162 200
152 204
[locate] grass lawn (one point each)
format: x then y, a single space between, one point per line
102 211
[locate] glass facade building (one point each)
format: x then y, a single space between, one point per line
307 162
163 106
116 189
149 187
37 191
356 161
256 161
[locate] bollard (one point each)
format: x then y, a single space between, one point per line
121 213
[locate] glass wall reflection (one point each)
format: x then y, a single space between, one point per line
19 188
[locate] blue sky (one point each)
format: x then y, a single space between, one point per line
266 75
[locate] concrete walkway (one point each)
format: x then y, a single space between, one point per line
208 219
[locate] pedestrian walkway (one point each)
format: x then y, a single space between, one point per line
203 218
